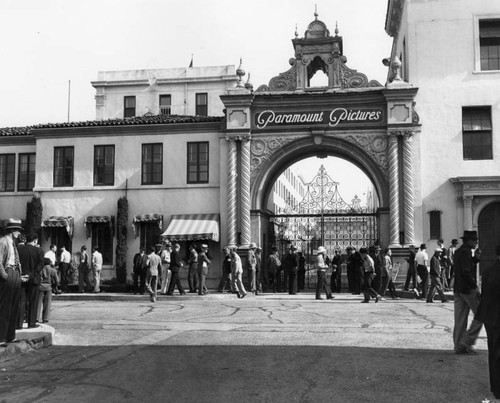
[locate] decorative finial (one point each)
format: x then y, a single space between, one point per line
336 28
316 11
248 84
296 31
240 73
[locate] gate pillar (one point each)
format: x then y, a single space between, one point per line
393 191
408 216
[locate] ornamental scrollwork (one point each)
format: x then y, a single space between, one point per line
376 147
262 150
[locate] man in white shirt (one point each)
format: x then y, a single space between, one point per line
166 274
422 263
64 262
51 254
96 268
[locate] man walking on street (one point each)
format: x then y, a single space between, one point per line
10 282
166 274
84 283
175 265
435 275
466 294
202 270
422 263
237 272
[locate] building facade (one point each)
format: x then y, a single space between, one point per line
425 138
450 50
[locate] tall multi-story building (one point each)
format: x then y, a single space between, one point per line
450 51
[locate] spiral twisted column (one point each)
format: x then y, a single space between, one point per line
232 200
393 190
408 210
245 191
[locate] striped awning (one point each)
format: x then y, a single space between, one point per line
193 227
60 222
98 219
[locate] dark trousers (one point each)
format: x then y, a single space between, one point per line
435 286
368 290
272 281
292 281
84 283
140 280
493 333
322 285
202 276
278 283
44 304
10 294
286 275
358 281
225 282
424 277
301 279
175 281
193 276
28 304
411 275
64 268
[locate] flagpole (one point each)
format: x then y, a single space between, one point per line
69 97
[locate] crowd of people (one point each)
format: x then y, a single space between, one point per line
28 277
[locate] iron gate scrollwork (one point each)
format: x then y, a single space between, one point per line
322 217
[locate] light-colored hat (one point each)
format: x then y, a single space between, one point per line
13 224
438 250
321 249
204 246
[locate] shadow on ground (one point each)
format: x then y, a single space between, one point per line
243 374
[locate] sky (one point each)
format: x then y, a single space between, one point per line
46 44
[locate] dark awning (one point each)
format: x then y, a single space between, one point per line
60 222
193 227
99 219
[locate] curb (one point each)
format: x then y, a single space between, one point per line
29 340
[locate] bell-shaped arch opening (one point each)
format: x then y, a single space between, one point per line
317 73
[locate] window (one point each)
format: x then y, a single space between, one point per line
104 165
476 135
150 234
129 107
26 178
165 104
63 166
435 224
197 158
489 44
152 164
202 104
7 172
102 236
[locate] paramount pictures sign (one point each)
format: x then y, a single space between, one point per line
337 117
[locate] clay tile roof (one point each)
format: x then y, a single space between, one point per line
138 120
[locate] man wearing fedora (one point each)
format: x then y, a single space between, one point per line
203 266
293 264
321 266
466 294
193 269
451 255
10 281
237 271
488 312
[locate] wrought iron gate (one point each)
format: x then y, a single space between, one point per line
323 218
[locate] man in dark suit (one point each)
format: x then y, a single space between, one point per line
175 265
466 294
31 259
488 313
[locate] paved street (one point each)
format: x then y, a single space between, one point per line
269 348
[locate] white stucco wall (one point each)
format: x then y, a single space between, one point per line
440 44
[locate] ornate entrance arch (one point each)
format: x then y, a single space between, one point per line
353 118
270 156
